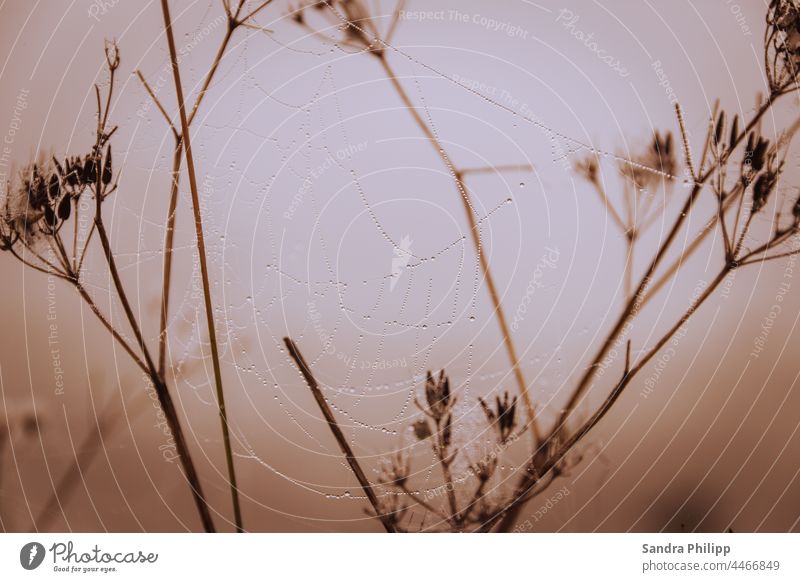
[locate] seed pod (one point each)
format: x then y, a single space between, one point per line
54 188
734 131
762 189
50 216
64 208
58 167
720 128
89 170
41 192
748 150
107 173
72 175
759 154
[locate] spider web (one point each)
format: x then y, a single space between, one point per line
362 276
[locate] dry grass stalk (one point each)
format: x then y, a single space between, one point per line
201 248
351 458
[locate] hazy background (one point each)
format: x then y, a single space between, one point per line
714 446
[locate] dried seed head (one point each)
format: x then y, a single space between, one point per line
352 17
112 55
54 187
720 129
656 163
485 468
762 189
107 169
64 208
437 396
588 168
782 44
734 132
89 170
759 154
503 417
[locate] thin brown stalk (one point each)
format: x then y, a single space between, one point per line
687 151
169 240
631 244
114 333
87 452
254 11
164 397
476 239
445 459
198 221
352 460
601 192
158 104
707 229
427 506
3 440
233 23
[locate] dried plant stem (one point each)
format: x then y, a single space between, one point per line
707 229
687 152
169 240
233 23
114 333
633 305
507 520
4 437
198 221
369 491
445 460
428 507
630 240
87 452
164 397
476 239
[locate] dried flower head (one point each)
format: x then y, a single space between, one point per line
438 398
656 163
352 18
763 187
484 468
503 417
588 167
782 45
34 205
